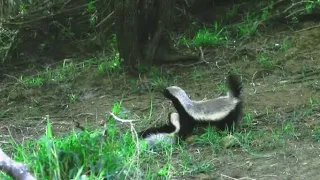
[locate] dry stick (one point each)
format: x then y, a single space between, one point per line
202 56
121 120
311 73
299 78
11 44
253 84
202 60
16 170
295 4
295 12
106 18
274 4
10 76
308 28
188 65
222 175
302 80
44 17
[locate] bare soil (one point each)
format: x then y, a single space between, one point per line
271 95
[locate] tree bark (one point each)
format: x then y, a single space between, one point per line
142 29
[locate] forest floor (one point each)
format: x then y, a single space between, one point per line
282 106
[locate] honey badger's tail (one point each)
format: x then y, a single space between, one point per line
234 85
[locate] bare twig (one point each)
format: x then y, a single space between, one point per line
202 59
295 4
121 120
294 13
253 84
308 28
228 177
106 18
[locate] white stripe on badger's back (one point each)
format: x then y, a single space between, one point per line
215 105
212 110
180 94
207 110
202 116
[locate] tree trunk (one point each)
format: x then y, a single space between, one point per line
143 28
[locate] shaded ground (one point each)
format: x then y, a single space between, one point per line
271 96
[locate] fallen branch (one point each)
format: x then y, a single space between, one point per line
16 170
121 120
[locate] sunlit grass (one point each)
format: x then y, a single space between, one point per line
211 36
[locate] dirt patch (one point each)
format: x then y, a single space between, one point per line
296 160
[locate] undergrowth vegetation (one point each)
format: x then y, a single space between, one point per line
112 152
89 154
223 34
115 153
219 33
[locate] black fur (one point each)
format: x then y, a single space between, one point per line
187 123
230 122
234 85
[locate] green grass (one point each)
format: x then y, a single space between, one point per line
316 133
249 25
253 140
260 140
211 138
310 5
98 154
110 65
264 60
68 70
79 153
32 81
250 141
210 37
151 79
158 80
285 44
115 153
72 98
65 73
226 31
196 74
247 120
221 88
